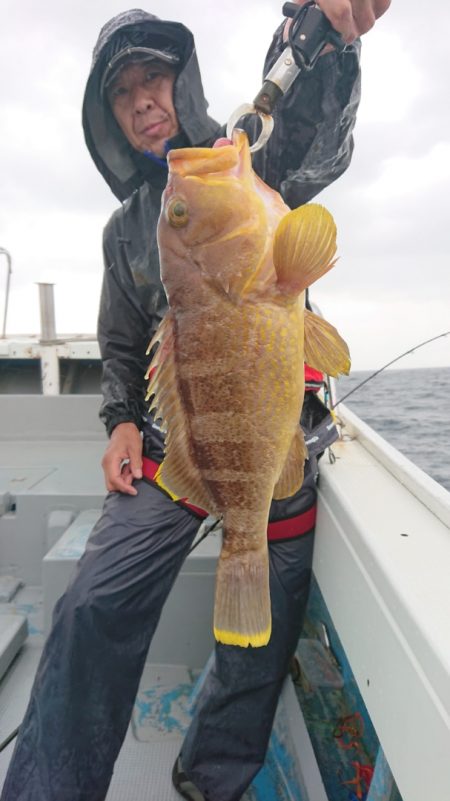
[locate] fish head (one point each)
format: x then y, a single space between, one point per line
217 222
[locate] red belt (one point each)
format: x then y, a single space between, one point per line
286 529
313 379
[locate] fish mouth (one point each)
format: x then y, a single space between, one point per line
224 156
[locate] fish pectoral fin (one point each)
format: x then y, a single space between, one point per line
178 474
304 247
325 350
242 613
291 478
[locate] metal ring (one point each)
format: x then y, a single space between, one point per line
266 120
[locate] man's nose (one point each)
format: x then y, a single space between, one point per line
142 100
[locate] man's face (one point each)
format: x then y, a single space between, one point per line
141 99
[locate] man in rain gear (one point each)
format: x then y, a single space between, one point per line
144 96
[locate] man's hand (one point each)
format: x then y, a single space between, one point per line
122 462
350 18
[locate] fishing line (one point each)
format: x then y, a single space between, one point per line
358 386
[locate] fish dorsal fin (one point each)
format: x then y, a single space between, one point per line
304 247
178 473
291 478
325 350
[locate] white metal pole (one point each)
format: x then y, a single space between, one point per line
4 252
49 352
47 309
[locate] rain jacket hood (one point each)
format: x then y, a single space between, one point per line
121 166
311 145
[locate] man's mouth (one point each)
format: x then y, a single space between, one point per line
153 127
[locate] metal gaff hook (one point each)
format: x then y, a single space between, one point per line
266 120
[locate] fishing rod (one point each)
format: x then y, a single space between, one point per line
369 378
9 739
208 529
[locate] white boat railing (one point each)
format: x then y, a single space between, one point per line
381 559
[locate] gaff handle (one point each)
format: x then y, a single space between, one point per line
309 33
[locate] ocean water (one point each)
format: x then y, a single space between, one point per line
411 410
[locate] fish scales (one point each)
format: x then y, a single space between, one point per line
227 377
242 457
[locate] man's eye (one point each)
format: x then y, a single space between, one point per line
118 91
151 75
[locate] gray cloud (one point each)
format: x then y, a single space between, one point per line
394 236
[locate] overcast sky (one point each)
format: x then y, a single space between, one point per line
391 287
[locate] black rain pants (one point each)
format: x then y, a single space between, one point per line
89 673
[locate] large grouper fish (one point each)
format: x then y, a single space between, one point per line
227 379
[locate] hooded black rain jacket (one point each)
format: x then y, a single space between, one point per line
310 147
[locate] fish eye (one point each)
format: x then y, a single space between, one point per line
177 213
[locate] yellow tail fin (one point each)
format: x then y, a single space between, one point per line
242 613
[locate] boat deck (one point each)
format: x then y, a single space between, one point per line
160 718
376 642
51 493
